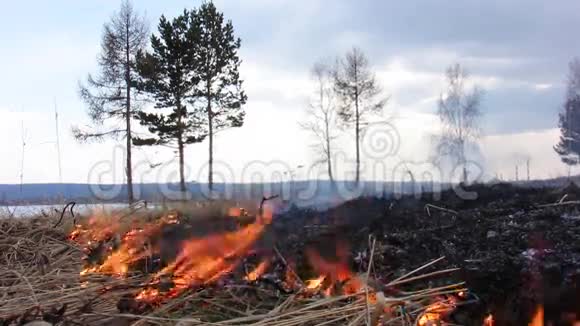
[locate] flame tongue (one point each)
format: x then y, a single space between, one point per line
200 261
205 260
258 271
335 276
488 321
434 314
538 319
315 284
121 253
99 228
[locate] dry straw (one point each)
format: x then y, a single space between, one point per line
39 279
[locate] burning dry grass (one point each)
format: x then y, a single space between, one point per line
42 276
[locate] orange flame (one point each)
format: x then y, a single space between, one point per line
130 251
148 295
436 312
290 279
488 321
205 260
258 271
99 228
315 284
235 212
133 247
538 319
338 273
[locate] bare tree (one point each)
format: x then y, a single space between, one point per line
358 91
528 169
459 112
109 94
322 115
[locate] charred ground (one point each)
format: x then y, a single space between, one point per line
517 247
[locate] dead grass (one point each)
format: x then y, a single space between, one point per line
39 279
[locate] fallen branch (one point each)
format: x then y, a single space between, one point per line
72 205
560 203
446 210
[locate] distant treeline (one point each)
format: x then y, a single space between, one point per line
51 193
291 192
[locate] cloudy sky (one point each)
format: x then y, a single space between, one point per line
516 50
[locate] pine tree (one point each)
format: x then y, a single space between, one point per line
569 145
109 95
220 89
167 75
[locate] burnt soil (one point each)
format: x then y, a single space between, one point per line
514 253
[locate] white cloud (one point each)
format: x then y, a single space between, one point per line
543 87
276 85
504 152
399 74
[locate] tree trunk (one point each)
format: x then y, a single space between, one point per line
129 168
326 134
210 129
328 152
330 176
357 137
463 163
528 169
181 167
329 166
357 122
180 149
